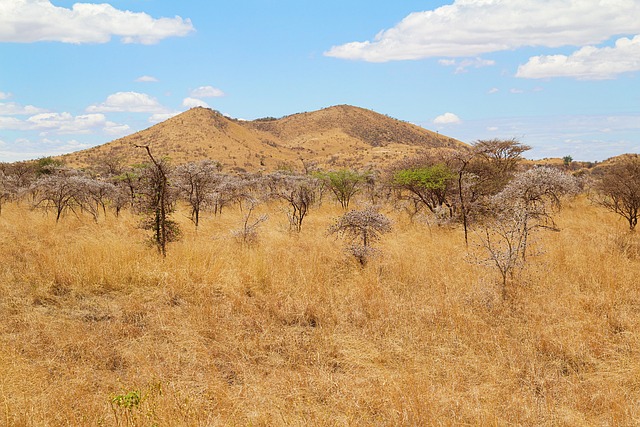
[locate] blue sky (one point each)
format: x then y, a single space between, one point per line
561 76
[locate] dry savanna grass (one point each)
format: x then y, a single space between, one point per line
97 329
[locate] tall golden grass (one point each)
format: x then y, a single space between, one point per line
291 331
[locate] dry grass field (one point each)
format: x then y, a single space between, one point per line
293 332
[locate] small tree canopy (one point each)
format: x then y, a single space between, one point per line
344 183
619 188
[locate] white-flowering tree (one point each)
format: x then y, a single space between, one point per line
525 204
361 228
63 192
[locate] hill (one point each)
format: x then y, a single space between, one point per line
339 136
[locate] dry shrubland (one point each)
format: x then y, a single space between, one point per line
97 329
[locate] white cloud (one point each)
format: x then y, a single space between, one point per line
132 102
468 28
207 92
11 123
13 109
493 90
587 63
194 102
516 91
5 95
112 128
27 21
25 149
64 123
447 119
147 79
461 66
161 117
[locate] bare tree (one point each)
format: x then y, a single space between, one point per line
361 228
618 186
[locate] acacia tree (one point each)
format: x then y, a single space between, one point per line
344 184
362 228
7 188
428 185
157 203
619 188
129 179
195 182
61 193
300 193
495 162
101 193
481 172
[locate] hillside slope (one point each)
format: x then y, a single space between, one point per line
340 136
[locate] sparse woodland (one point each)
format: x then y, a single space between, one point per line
446 289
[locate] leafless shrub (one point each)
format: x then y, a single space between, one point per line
248 233
361 228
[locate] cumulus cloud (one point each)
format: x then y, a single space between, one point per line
447 119
194 102
587 63
207 92
27 21
131 102
13 109
147 79
468 28
5 95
